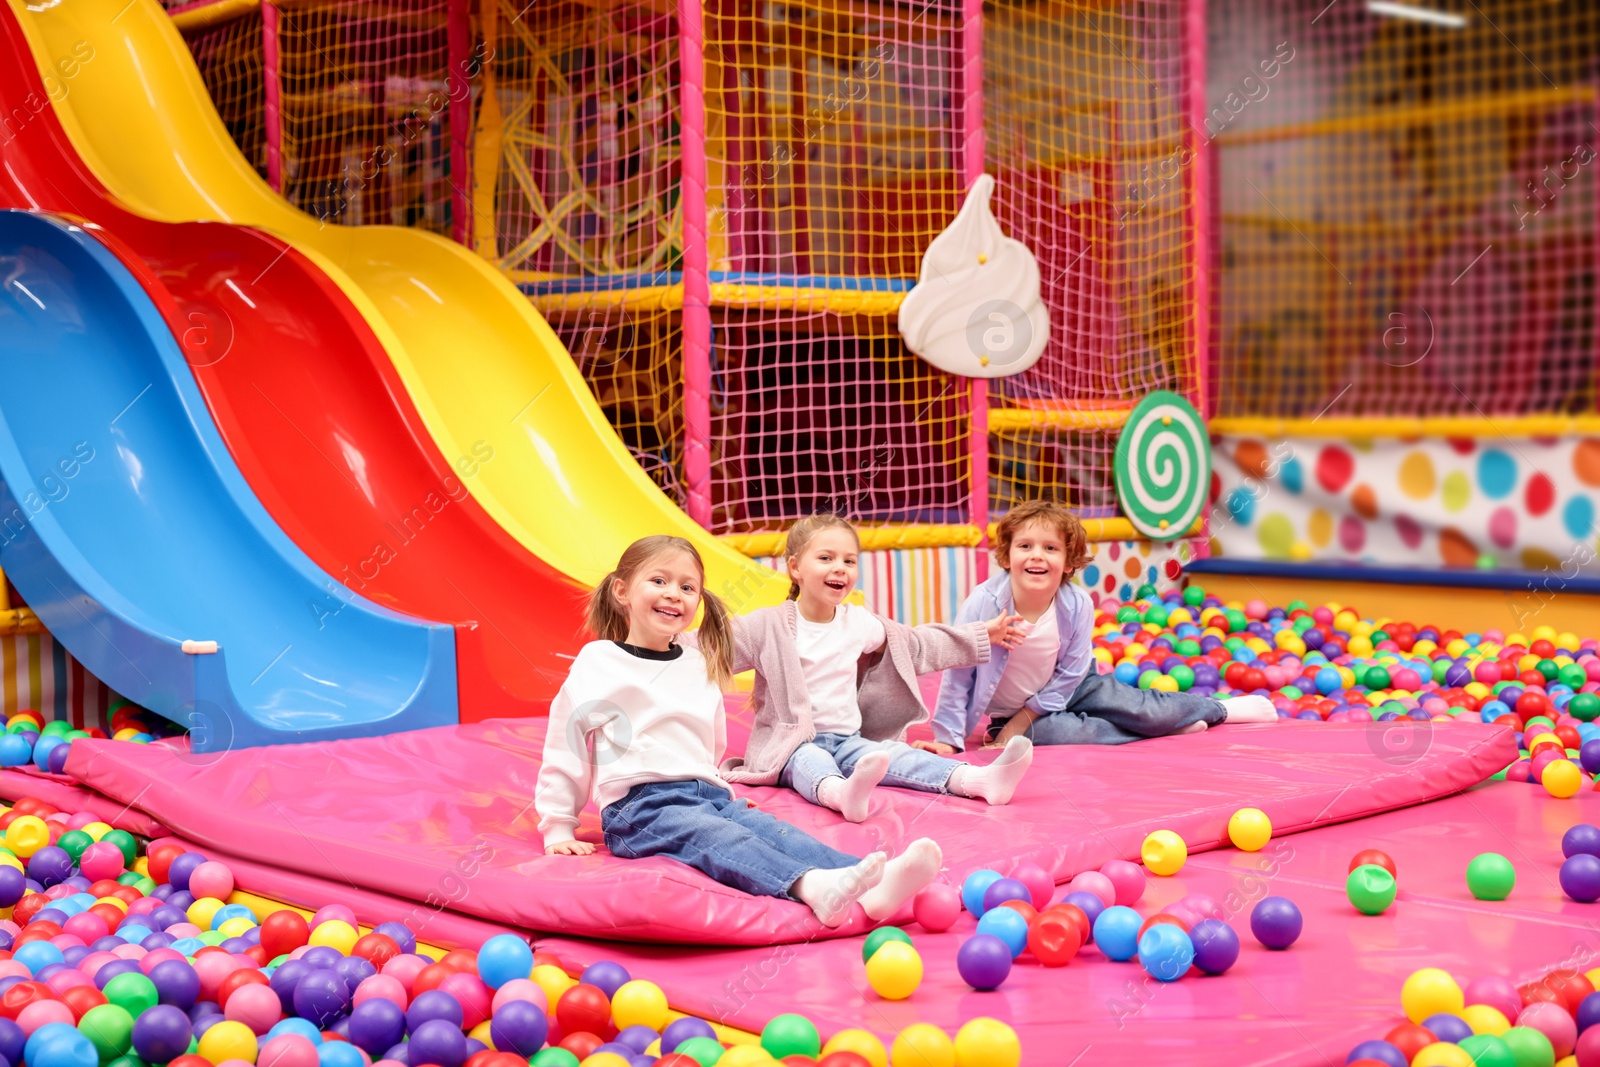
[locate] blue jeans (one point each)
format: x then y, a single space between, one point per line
703 825
1104 711
837 754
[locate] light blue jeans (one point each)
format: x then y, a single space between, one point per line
1104 711
837 754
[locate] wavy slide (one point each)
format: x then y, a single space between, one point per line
482 368
135 538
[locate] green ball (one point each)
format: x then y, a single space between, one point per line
128 1059
1146 592
1489 876
132 992
791 1035
1375 677
1187 647
213 937
1378 637
1183 674
1487 1050
1441 667
1486 562
553 1057
56 728
1584 707
1156 614
1148 678
73 735
1370 888
1548 668
1236 620
73 842
145 884
125 844
1291 691
876 939
1529 1047
1127 613
1574 676
128 877
1194 596
705 1051
1303 623
109 1028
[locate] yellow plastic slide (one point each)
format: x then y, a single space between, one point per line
481 365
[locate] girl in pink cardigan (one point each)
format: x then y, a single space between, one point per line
836 687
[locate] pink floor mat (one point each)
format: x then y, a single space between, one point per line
398 815
1309 1005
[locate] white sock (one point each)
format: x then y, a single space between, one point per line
849 796
1250 709
996 782
830 893
1194 728
903 878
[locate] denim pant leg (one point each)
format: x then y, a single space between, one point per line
703 826
1143 712
810 764
909 768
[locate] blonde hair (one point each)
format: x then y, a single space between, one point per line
609 622
803 532
1048 512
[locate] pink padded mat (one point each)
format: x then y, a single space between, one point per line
451 807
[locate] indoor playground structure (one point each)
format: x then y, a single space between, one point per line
345 345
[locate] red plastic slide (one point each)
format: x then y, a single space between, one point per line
316 417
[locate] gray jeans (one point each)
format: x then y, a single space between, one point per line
1105 711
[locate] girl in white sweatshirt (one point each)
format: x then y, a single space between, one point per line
639 727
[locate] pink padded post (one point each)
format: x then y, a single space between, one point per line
274 95
972 156
458 42
696 281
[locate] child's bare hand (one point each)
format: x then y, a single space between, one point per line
569 848
938 748
1005 631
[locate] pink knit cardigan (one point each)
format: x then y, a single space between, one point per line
886 683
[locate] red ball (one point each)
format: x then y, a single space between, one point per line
161 858
582 1044
547 959
1571 987
1410 1039
376 949
1373 857
1054 939
259 954
1569 736
126 893
461 959
1532 703
80 998
110 913
1253 678
503 1059
844 1059
30 905
1079 917
584 1007
19 996
242 977
190 1059
1021 907
1161 917
34 806
430 978
479 1059
103 888
39 930
1535 992
677 1059
284 931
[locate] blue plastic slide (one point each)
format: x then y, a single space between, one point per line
127 527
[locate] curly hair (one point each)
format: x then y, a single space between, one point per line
1048 512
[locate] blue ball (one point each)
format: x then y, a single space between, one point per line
1126 673
503 958
36 955
60 1045
41 755
972 890
1327 680
1379 1050
1008 925
1116 931
1165 952
339 1054
1447 1027
15 750
1216 945
294 1025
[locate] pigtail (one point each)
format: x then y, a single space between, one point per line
607 621
716 639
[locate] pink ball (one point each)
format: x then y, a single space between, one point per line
144 906
388 987
1096 883
1127 880
92 963
1041 887
286 1050
475 997
404 968
101 860
1339 716
59 892
257 1006
1496 992
41 1012
212 968
129 952
526 989
11 968
1203 905
332 911
1553 1022
66 941
81 819
62 981
1181 910
182 930
148 961
1588 1047
937 907
10 927
211 879
301 951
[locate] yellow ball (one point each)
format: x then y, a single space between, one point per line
1544 632
1539 739
923 1045
746 1056
97 830
481 1033
234 927
1566 639
27 835
1163 683
1562 779
895 970
553 980
8 860
861 1042
1429 992
335 934
118 902
1250 829
229 1040
1442 1054
639 1003
1360 646
987 1043
1484 1019
1594 977
142 866
202 911
127 733
1164 852
607 1059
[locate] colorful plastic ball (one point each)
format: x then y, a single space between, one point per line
1580 878
1496 993
59 1045
1165 952
230 1040
548 1057
475 998
1377 859
1581 838
1276 922
876 940
378 1023
1370 888
1430 991
1490 876
608 976
1442 1054
1249 829
437 1042
1529 1047
109 1028
288 1050
334 933
1009 926
518 1027
789 1035
1096 883
1002 890
133 992
1378 1051
984 961
1127 881
256 1006
639 1003
1487 1050
1216 945
705 1051
985 1042
27 835
895 971
922 1045
936 908
976 885
502 958
583 1008
161 1034
1451 1028
1164 853
860 1042
1054 939
1116 932
1553 1021
681 1030
1562 779
1041 886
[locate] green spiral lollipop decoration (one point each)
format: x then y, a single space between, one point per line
1163 466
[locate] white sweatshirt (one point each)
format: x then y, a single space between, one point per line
621 720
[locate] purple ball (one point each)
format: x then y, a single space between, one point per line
376 1024
13 884
1447 1027
1276 922
1090 904
400 932
1002 890
439 1041
434 1004
181 898
177 983
641 1060
78 881
283 981
354 970
340 1026
519 1026
322 956
681 1030
202 1008
56 759
55 915
1588 1012
204 1023
75 954
182 867
108 943
233 945
400 1053
11 1041
157 940
50 866
1583 837
1379 1050
1589 756
321 997
1457 675
1580 878
984 961
43 973
162 891
474 1046
637 1037
166 916
112 969
161 1034
606 975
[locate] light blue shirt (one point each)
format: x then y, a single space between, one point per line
964 697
